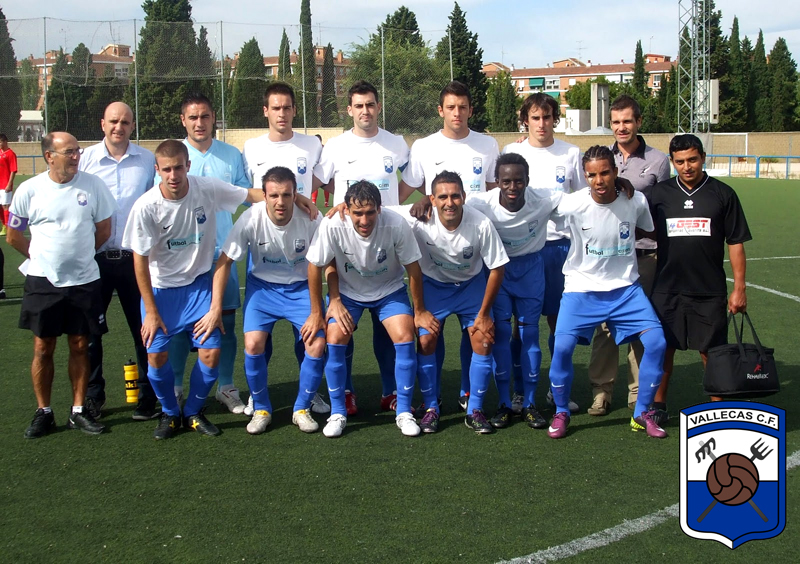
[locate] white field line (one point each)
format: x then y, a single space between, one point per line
614 534
770 290
768 258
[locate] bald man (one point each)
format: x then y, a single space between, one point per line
129 171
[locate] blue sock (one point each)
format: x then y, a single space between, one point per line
466 358
502 358
551 342
255 369
384 354
179 347
651 369
480 372
202 380
348 382
531 360
562 371
336 374
163 382
227 353
437 382
405 373
516 363
426 374
310 379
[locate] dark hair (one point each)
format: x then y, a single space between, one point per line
447 177
278 88
3 137
455 88
279 175
543 102
599 153
196 98
172 148
363 192
511 159
361 87
684 143
623 102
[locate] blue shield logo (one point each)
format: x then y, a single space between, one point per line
388 164
381 255
733 472
624 230
299 245
477 165
301 165
561 174
200 215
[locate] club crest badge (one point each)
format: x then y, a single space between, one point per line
82 201
532 225
302 165
624 230
477 165
467 253
381 255
388 164
299 245
733 472
200 215
561 174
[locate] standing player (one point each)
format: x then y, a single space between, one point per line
172 230
555 165
8 170
642 166
695 217
601 286
277 236
69 216
215 159
371 249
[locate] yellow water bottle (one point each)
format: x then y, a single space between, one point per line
131 381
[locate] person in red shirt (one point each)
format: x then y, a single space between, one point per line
8 170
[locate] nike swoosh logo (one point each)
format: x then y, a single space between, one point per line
554 386
585 228
481 391
309 391
258 392
351 162
429 243
264 243
199 397
333 389
426 391
406 388
350 254
551 429
440 162
654 385
167 226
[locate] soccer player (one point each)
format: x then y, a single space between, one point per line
555 165
277 237
642 166
371 248
215 159
171 230
366 152
456 244
128 171
8 170
601 285
695 217
68 213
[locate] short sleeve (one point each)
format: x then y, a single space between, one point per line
413 175
405 245
736 228
492 250
492 156
228 197
21 202
239 177
106 205
238 240
139 231
321 251
325 168
644 220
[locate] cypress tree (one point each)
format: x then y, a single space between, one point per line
10 88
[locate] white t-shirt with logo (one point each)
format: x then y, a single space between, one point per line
523 232
349 158
472 158
279 252
458 255
369 268
179 236
299 154
601 256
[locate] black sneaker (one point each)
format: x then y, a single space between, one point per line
502 418
42 424
168 425
95 407
144 412
478 423
2 294
533 418
463 401
430 422
85 422
200 424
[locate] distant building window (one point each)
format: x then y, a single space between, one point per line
551 83
121 71
269 71
656 81
572 82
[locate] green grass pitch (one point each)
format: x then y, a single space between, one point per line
372 495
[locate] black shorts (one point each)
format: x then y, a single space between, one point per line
50 312
692 322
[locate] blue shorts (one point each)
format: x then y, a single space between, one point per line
626 311
464 299
180 308
522 291
395 303
554 254
232 298
265 303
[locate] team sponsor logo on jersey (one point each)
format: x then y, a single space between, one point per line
200 214
185 242
388 164
624 229
302 165
82 200
477 165
688 205
644 171
299 245
381 255
689 227
620 251
733 471
561 174
532 226
467 253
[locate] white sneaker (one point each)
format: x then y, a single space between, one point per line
259 423
319 405
517 403
573 407
302 418
249 408
229 397
335 426
407 424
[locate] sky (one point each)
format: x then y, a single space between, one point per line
510 32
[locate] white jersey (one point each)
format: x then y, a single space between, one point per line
179 236
61 218
279 252
472 158
458 255
524 231
601 256
299 154
370 268
557 168
349 158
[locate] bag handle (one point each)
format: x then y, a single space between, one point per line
739 332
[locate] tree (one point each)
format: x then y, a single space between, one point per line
329 116
750 94
783 88
308 68
467 63
284 59
501 103
68 95
108 88
402 27
247 95
735 106
29 83
639 85
579 96
760 80
10 88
